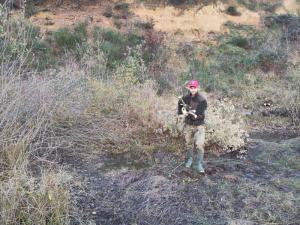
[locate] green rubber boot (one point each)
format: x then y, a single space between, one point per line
199 162
189 161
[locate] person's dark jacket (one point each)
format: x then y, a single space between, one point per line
198 103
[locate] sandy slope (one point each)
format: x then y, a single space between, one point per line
194 22
189 24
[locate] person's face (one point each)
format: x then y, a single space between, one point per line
193 90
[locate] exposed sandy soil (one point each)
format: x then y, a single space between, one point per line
193 23
66 16
289 6
189 24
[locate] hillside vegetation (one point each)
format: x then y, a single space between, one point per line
111 91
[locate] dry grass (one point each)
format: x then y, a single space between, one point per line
30 104
281 94
28 109
28 200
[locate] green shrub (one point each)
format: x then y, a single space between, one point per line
114 53
97 34
113 36
18 38
114 44
65 38
22 39
81 31
272 59
242 50
133 39
239 41
254 5
155 54
68 40
43 55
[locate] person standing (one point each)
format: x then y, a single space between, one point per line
192 108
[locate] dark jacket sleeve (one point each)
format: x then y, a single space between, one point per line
201 108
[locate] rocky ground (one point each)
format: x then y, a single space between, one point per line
259 187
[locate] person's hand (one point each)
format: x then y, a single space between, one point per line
193 113
184 112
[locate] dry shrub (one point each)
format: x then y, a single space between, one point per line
282 94
148 108
27 104
286 95
28 200
154 39
14 156
30 105
136 103
225 127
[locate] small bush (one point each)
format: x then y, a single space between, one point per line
68 40
114 44
113 36
231 10
239 41
108 12
147 25
81 31
177 2
133 68
122 6
65 38
272 60
114 54
44 55
225 127
283 92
